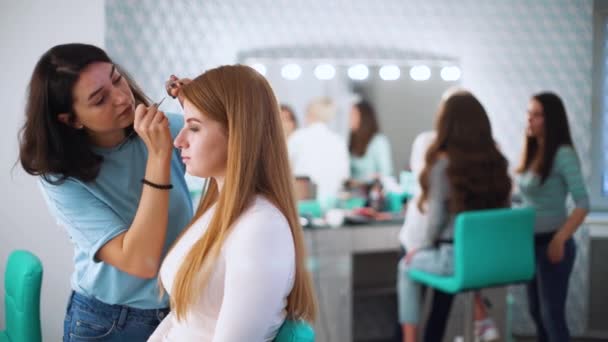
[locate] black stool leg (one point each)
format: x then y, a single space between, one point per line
469 318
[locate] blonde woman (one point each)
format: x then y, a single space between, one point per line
318 152
238 270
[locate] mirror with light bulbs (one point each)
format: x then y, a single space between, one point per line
404 87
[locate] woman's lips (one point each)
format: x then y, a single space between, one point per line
130 109
125 112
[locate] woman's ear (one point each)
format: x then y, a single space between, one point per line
64 118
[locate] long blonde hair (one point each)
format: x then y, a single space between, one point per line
243 102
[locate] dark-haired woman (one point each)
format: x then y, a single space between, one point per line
549 171
111 177
288 119
370 151
463 171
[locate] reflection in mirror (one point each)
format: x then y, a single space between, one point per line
402 87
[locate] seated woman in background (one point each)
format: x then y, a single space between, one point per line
370 151
549 171
412 237
238 271
463 171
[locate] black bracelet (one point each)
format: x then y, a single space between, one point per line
157 186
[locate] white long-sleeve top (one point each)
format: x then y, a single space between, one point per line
246 295
413 234
319 153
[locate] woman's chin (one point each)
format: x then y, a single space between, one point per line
530 133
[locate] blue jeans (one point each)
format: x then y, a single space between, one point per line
409 297
548 290
88 319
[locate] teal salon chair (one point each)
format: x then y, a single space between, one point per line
311 208
22 282
491 248
295 331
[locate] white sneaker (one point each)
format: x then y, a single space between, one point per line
486 330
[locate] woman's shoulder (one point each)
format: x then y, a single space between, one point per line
262 208
565 151
442 161
261 224
379 139
56 183
439 168
261 217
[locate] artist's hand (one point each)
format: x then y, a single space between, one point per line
152 126
174 86
555 250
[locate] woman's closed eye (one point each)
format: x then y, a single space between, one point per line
117 79
100 101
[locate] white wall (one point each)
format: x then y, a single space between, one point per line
27 29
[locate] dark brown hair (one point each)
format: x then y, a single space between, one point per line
556 134
477 171
292 114
360 138
48 147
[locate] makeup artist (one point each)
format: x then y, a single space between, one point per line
112 178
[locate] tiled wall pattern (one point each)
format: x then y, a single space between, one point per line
508 49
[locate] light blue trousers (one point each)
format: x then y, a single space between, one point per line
432 260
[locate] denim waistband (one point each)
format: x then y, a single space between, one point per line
116 311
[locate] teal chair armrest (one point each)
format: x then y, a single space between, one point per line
295 331
447 284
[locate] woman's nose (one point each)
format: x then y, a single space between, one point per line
179 141
121 96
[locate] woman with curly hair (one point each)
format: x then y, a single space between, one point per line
464 170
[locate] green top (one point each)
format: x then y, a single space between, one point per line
376 160
549 199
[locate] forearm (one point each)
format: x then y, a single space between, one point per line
143 242
574 221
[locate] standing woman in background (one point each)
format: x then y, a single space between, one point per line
370 151
113 180
549 171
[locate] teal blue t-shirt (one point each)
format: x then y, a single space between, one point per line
377 160
93 213
549 198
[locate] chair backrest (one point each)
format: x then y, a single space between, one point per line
494 247
22 282
295 331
